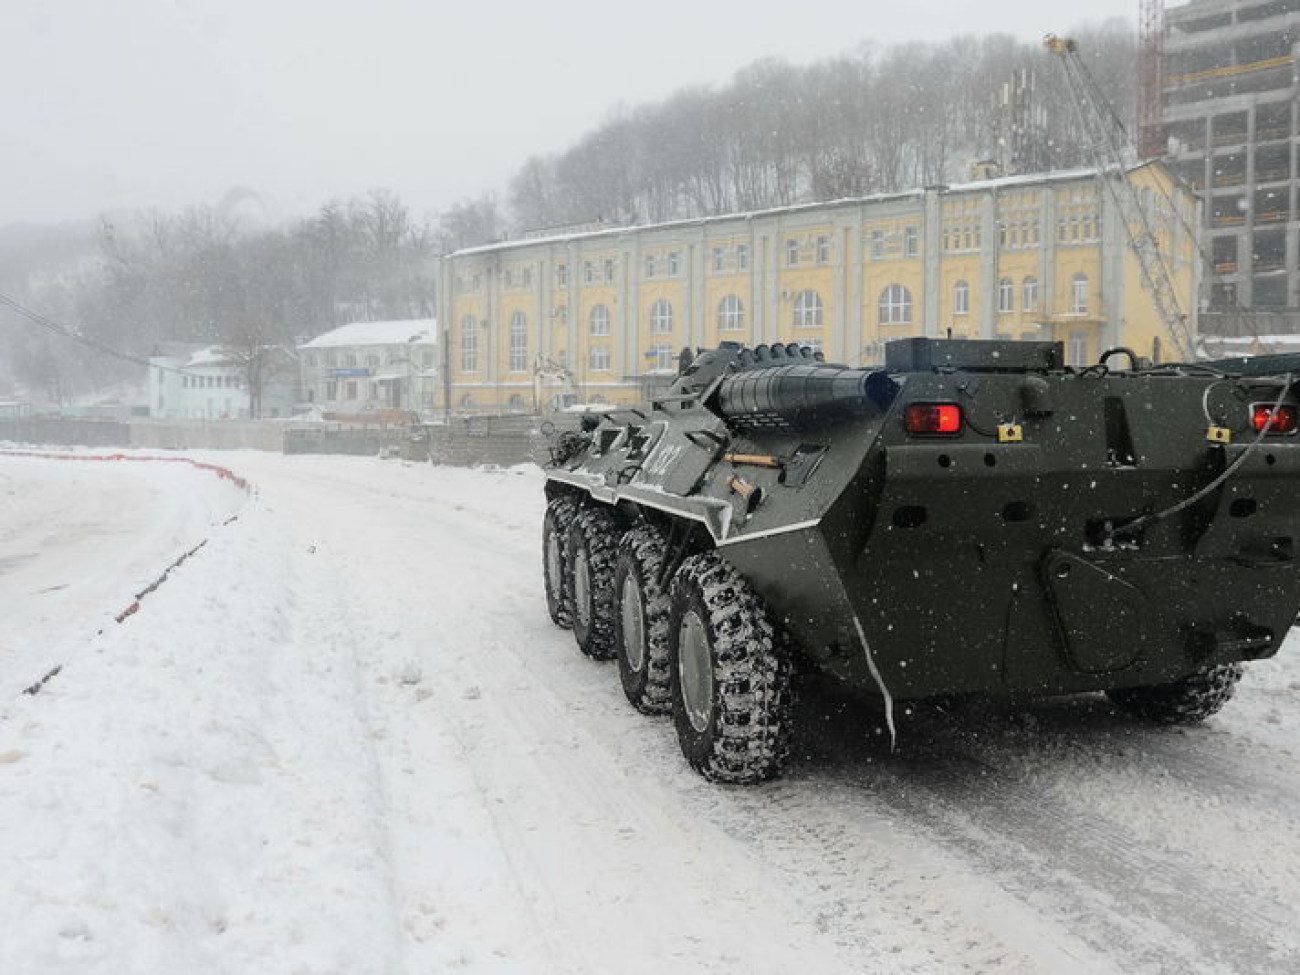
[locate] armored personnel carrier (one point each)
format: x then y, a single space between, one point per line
973 518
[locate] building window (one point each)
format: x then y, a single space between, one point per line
599 358
911 242
331 390
650 266
731 314
609 271
719 259
742 257
468 344
961 298
518 342
877 240
527 277
1079 348
808 310
661 358
823 249
895 305
791 252
674 263
467 401
516 402
351 390
561 275
1079 295
372 361
600 320
588 272
661 317
1029 294
1006 295
562 314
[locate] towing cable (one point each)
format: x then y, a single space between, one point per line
1150 519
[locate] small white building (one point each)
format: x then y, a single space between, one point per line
206 383
370 366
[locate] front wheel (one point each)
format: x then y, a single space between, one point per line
589 555
1185 701
731 697
555 529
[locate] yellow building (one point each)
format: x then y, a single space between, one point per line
1027 257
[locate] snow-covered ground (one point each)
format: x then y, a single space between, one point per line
343 737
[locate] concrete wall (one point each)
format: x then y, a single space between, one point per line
501 441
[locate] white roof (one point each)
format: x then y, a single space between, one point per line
416 331
213 355
1001 182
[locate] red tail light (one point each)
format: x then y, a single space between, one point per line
1285 419
933 419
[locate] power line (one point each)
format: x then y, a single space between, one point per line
64 331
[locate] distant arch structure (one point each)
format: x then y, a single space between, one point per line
241 203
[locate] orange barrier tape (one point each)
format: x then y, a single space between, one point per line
222 472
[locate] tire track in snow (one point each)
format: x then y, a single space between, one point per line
1145 908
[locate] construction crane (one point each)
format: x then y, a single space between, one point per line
1151 51
1113 155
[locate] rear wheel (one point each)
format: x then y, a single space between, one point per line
730 685
590 552
1187 701
555 529
641 621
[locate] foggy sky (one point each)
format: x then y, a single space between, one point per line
131 104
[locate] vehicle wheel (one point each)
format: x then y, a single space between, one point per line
1187 701
589 556
555 529
641 615
730 685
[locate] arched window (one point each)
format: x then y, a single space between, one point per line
808 310
731 314
1006 295
1079 294
600 320
661 317
895 305
518 342
468 344
516 402
1029 294
961 298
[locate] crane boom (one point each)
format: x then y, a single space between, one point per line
1113 156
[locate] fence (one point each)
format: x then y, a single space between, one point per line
501 441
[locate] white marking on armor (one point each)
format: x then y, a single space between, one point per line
772 531
880 682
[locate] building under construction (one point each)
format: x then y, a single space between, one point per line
1231 117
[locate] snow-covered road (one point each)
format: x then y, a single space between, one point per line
344 737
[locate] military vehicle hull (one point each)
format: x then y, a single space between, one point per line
973 518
